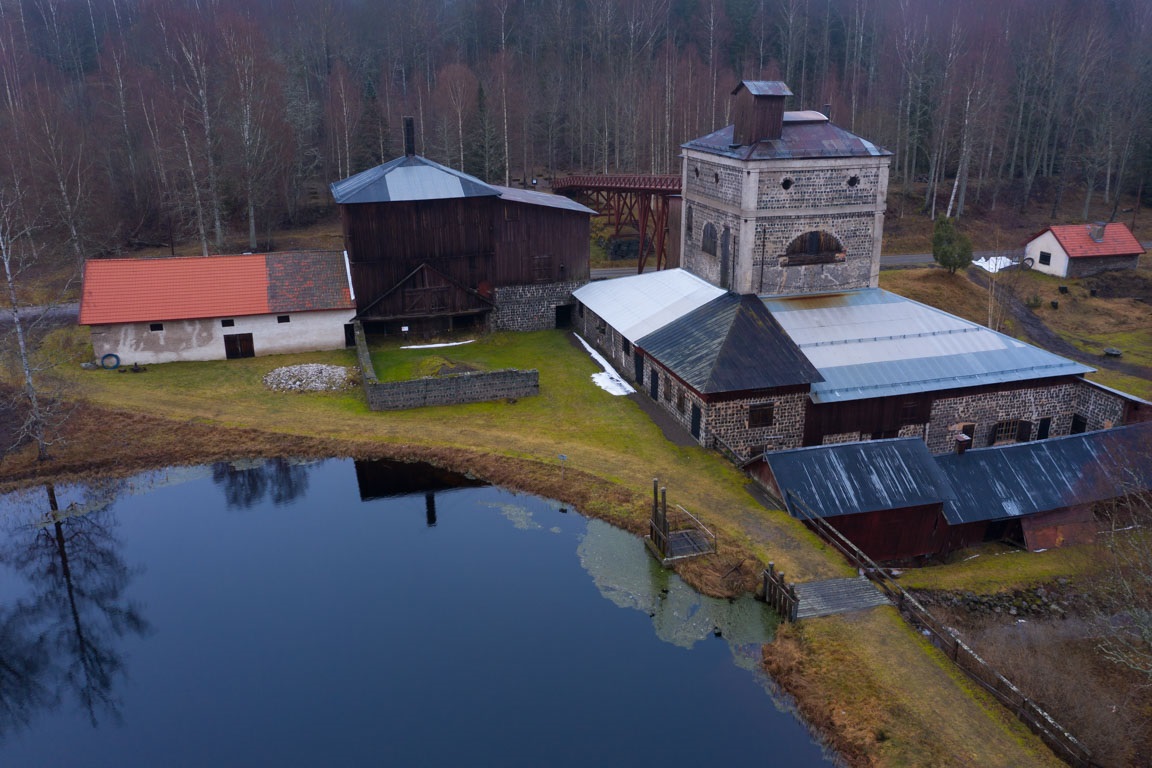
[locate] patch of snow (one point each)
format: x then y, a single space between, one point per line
446 344
608 380
994 264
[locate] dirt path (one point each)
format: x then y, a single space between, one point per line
1044 337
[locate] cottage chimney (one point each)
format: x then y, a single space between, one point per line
409 136
758 111
828 112
963 443
1096 231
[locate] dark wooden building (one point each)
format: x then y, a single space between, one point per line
432 248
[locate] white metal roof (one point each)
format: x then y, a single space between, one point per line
872 343
640 304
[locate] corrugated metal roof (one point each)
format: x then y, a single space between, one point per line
187 288
872 343
1044 475
640 304
406 179
532 197
802 137
731 344
853 478
1115 240
764 88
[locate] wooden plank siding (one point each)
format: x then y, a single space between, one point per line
478 243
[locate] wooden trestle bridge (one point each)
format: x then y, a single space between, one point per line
632 200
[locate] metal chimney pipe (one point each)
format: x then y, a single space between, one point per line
410 136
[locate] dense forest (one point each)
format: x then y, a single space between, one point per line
127 122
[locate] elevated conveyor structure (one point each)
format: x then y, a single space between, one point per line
629 199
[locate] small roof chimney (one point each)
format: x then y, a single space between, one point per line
409 136
963 443
759 111
1096 231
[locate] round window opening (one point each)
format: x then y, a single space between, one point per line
786 184
853 181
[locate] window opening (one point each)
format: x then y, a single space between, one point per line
227 323
1045 257
760 415
156 326
283 319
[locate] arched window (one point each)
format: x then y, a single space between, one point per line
813 248
708 241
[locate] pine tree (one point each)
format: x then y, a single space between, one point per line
951 248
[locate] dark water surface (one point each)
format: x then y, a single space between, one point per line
334 614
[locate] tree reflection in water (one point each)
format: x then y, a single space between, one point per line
61 638
246 485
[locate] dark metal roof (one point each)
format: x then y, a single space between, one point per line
853 478
409 178
307 280
801 138
730 344
1044 475
763 88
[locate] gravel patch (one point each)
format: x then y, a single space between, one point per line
311 377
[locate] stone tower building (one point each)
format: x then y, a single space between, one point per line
782 202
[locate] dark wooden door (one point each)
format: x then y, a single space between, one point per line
654 386
695 421
639 364
237 345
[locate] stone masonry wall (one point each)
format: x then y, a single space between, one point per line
817 188
451 390
985 410
1101 408
441 390
705 265
1090 266
775 233
530 307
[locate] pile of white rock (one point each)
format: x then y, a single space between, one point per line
311 377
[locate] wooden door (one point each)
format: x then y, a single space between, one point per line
237 345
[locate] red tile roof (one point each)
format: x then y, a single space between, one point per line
188 288
1077 241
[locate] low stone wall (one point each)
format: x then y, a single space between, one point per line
456 389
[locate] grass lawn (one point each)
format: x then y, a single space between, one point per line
859 672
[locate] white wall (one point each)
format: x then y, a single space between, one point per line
204 339
1047 242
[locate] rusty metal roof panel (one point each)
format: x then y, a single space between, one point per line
408 179
872 343
854 478
731 344
1014 480
803 136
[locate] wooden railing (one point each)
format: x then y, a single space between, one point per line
1066 746
779 594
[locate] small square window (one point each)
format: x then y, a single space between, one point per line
760 415
283 319
227 323
1045 257
156 326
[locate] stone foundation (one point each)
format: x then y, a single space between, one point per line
530 307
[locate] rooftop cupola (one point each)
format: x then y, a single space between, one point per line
758 111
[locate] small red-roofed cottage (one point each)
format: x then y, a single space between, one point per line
216 307
1079 250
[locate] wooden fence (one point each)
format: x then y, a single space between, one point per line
779 594
1066 746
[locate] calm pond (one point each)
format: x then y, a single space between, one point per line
348 614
